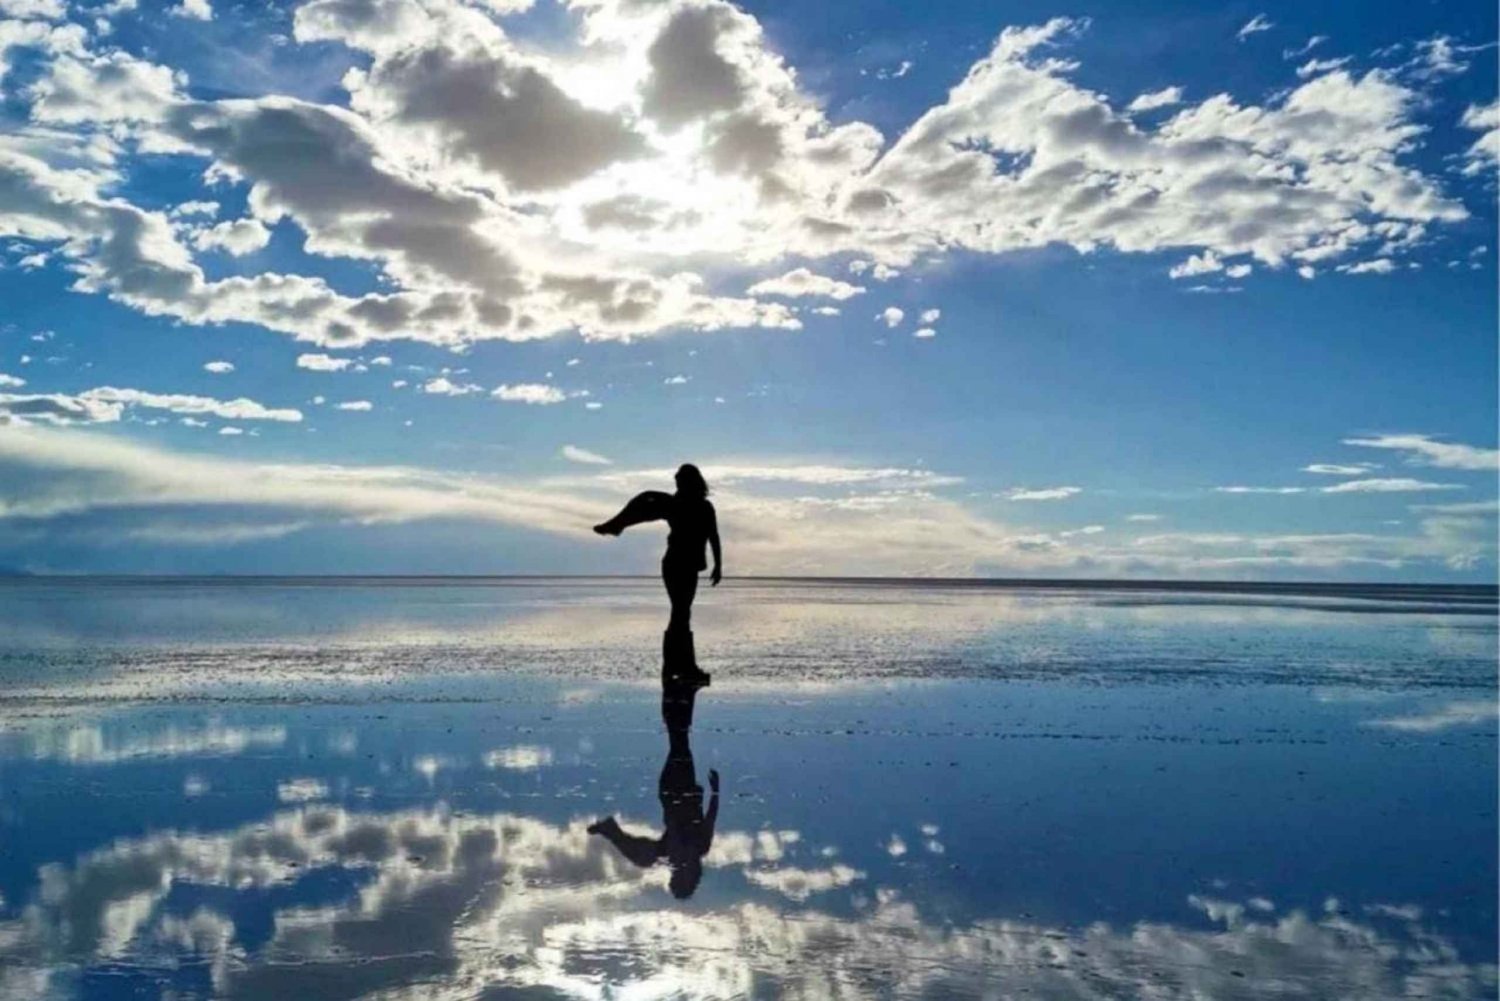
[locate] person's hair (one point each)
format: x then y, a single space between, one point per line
691 481
685 879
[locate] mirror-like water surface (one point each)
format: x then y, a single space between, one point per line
297 790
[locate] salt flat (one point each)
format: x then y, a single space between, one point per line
381 788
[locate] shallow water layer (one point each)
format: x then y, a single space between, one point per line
386 789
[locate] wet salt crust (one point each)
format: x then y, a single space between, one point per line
328 789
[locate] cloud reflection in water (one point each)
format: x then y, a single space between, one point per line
432 903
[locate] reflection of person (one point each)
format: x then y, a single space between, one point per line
689 829
693 525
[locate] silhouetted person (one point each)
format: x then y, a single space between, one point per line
690 516
689 831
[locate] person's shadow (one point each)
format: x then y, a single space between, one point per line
689 829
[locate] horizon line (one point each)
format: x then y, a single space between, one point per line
975 581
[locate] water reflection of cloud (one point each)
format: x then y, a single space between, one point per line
93 744
1466 712
521 758
450 906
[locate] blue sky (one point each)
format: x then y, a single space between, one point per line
971 288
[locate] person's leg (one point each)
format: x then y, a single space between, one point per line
682 587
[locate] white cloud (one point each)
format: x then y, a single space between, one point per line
356 405
1339 468
1260 490
1423 450
230 431
1164 98
924 333
195 208
218 367
11 381
197 10
1143 517
575 454
930 316
786 519
675 380
891 316
237 237
323 363
1046 494
1378 266
500 190
1302 50
802 282
106 404
529 392
1198 264
443 386
1255 26
1386 485
45 10
1314 67
1483 157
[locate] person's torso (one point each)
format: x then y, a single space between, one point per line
689 521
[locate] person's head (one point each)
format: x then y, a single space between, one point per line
685 878
690 481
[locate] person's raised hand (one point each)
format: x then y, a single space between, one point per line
715 577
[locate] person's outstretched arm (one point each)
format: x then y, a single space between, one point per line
652 505
644 852
713 543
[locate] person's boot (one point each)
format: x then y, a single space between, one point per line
678 661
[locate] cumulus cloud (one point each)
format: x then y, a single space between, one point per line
323 363
237 237
1164 98
529 392
1483 157
198 10
356 405
503 190
891 316
443 386
802 282
218 367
